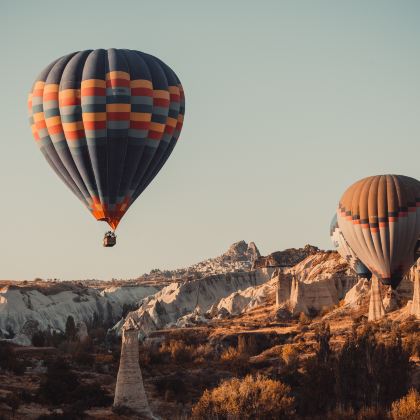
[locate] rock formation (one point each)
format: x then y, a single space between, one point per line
197 296
390 300
297 302
415 304
376 307
283 286
129 390
286 258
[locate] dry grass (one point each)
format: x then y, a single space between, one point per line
407 408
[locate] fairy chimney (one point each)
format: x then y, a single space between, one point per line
415 305
129 391
376 307
282 288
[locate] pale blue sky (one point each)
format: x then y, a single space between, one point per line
287 103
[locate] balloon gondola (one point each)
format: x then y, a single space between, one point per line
110 239
106 121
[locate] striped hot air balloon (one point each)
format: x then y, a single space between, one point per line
379 217
106 121
345 251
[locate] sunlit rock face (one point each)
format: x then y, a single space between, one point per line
376 307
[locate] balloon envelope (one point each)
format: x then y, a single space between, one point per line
106 121
379 217
345 251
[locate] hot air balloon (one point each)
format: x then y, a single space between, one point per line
379 217
345 251
106 121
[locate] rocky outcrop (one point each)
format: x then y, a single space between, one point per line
283 287
376 307
415 304
129 390
50 305
286 258
319 281
195 297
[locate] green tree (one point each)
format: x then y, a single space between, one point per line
70 329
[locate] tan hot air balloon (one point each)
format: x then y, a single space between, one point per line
379 217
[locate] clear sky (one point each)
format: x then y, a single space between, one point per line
287 104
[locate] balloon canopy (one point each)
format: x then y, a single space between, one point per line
106 121
379 217
345 251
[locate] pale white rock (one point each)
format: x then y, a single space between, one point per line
176 300
50 306
415 304
319 281
354 297
283 287
244 300
376 307
129 390
297 303
390 299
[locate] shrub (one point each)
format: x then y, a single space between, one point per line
178 351
248 398
58 383
70 329
38 339
407 408
203 352
289 354
231 354
410 325
412 344
172 387
304 319
9 361
369 372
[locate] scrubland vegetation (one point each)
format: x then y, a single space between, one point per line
313 371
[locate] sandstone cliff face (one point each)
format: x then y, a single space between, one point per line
286 258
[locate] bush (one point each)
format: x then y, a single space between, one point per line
9 361
407 408
178 351
172 387
249 398
58 383
231 354
203 353
289 354
304 319
412 344
38 339
369 372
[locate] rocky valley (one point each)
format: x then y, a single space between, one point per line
227 317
